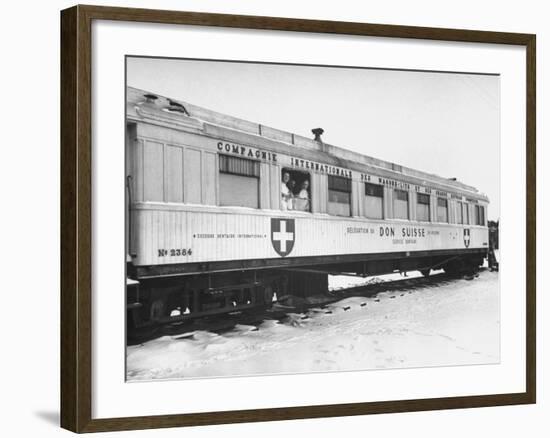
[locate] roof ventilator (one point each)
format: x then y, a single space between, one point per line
177 108
150 98
317 132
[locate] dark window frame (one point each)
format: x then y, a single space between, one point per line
424 199
420 196
400 191
309 177
242 167
443 203
239 166
339 184
374 191
375 188
480 215
401 195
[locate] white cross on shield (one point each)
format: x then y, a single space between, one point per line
282 235
466 237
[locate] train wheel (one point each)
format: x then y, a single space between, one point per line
425 272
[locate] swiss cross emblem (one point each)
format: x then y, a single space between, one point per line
466 237
282 236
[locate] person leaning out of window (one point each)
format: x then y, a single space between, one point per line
303 196
286 194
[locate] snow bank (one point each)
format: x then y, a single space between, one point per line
454 323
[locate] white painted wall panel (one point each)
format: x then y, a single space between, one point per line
192 176
356 197
215 234
388 202
153 171
322 192
209 178
137 174
265 185
174 174
275 189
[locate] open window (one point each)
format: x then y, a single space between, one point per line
239 182
374 201
339 195
423 207
295 190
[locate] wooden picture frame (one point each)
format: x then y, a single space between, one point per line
76 217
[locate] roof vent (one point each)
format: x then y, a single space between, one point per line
150 98
317 132
452 179
177 107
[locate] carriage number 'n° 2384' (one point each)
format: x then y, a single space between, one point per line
175 252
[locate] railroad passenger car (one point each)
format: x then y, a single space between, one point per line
226 214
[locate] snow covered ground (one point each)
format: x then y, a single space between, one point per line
455 322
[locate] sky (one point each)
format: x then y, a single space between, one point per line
442 123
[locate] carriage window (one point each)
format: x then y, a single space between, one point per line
239 181
374 201
400 204
466 213
480 215
339 196
459 212
295 190
423 207
442 210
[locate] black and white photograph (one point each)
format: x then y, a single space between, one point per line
275 219
291 218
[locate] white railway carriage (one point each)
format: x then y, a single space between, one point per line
224 213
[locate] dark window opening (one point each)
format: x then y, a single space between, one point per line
400 204
339 196
374 201
374 190
480 215
442 210
423 207
239 166
295 190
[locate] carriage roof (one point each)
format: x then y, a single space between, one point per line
219 125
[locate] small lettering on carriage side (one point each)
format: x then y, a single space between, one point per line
229 236
175 252
320 167
359 230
